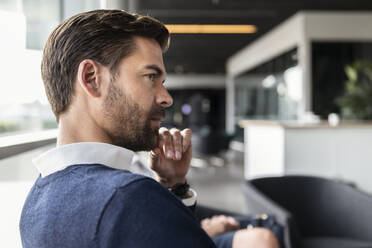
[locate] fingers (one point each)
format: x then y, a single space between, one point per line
219 224
205 221
173 142
177 143
186 139
232 223
166 142
229 222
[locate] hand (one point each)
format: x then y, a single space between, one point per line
170 161
219 224
257 237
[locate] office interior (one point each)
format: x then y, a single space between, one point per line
287 98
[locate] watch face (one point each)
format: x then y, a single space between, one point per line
181 189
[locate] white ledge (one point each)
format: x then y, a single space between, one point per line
15 144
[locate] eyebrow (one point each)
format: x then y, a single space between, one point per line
155 68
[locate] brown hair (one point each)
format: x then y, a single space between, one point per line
105 36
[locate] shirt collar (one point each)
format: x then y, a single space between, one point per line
64 156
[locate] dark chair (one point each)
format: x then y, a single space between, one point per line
202 212
315 212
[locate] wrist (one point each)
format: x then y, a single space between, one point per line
169 182
181 190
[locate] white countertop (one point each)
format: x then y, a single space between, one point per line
297 124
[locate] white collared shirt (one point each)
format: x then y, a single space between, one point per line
116 157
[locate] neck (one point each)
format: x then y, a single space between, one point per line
80 127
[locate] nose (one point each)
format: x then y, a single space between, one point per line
163 98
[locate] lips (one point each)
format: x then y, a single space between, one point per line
158 115
158 118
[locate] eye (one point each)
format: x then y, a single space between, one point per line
151 76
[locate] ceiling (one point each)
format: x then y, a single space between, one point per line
207 53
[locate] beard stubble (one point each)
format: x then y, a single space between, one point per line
129 125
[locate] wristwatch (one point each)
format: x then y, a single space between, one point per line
180 189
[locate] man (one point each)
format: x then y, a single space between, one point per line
103 73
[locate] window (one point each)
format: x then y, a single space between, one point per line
23 104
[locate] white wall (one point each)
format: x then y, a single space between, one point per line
343 153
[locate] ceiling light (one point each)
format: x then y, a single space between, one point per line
211 29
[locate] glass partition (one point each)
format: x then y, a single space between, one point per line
271 91
328 71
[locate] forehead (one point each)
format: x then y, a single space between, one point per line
147 52
147 45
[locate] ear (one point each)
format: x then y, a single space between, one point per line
88 77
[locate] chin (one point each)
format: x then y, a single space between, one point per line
147 144
153 143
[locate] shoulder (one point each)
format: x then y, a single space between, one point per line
141 190
106 177
147 213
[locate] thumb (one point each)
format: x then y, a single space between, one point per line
155 152
154 156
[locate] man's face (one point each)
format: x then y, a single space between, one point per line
136 98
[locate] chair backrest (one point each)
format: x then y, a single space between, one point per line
321 207
259 203
202 212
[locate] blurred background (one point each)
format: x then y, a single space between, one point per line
279 87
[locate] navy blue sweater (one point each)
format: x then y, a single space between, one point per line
96 206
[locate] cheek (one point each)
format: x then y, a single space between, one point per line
144 98
144 101
147 102
141 92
